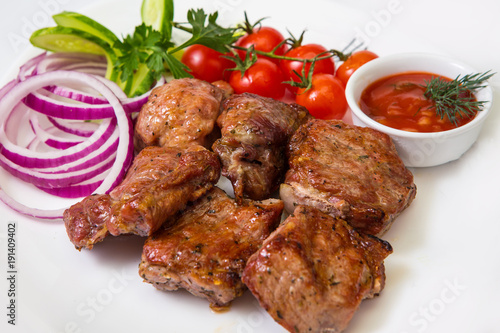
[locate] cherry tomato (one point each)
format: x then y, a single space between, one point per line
306 51
263 78
356 60
263 39
325 99
206 63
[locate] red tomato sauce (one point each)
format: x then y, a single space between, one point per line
398 101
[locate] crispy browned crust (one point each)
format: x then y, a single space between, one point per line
160 182
312 273
255 131
179 113
347 171
85 221
205 248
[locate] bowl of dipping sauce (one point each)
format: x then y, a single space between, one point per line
387 94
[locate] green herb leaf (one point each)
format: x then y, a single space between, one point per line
207 33
177 68
454 99
144 46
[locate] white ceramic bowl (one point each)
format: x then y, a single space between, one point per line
419 149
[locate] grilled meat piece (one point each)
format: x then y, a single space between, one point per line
86 220
312 273
204 249
347 171
160 182
179 113
255 131
225 86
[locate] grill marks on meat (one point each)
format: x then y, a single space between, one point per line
312 273
347 171
255 131
204 249
179 113
160 182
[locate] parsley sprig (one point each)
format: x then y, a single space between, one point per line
147 54
154 49
206 32
144 46
136 61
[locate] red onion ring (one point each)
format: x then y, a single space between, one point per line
49 138
26 158
63 155
85 129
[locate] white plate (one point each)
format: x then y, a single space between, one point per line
444 273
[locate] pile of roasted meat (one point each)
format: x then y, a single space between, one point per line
311 197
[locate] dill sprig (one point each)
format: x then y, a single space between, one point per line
454 99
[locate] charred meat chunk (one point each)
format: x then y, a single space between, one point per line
205 248
347 171
255 132
312 273
160 182
179 113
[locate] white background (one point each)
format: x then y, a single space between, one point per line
445 270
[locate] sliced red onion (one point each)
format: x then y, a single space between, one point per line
115 88
95 68
44 214
11 153
48 136
27 68
66 88
76 95
67 110
83 129
75 168
93 157
57 61
30 159
58 144
82 62
58 179
72 192
5 89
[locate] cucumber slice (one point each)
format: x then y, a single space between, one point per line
62 39
159 14
142 82
85 24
